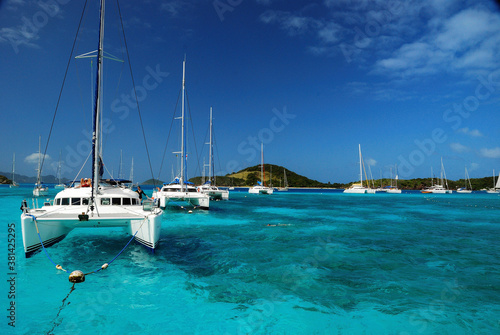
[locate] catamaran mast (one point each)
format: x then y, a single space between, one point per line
360 167
96 135
210 153
183 154
262 176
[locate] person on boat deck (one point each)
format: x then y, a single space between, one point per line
85 182
141 193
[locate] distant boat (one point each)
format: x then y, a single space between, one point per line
261 187
394 189
40 189
439 188
60 185
285 188
468 187
14 184
496 187
358 188
179 192
209 188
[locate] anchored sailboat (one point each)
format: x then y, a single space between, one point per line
261 187
209 188
14 184
496 187
179 192
467 187
359 188
92 203
439 188
40 189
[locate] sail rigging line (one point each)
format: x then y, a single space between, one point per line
168 137
194 138
135 94
62 86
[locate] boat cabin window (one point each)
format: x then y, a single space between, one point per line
105 201
75 201
135 201
85 201
127 201
65 201
116 201
192 190
58 201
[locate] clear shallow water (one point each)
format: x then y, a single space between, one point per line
290 263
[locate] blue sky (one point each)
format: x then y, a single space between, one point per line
411 81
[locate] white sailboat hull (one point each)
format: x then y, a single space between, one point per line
174 196
260 190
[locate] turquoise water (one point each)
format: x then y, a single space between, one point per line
290 263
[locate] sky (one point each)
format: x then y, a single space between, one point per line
410 81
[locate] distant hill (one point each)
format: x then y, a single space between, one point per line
49 179
152 182
4 180
249 177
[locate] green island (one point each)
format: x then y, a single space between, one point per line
251 175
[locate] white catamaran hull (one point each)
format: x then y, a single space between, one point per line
53 227
260 190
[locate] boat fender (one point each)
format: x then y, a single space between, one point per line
77 276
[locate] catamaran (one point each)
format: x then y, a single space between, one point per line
393 189
91 203
467 187
209 188
261 187
60 185
179 192
13 184
40 189
358 188
439 188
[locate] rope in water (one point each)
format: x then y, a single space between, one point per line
103 267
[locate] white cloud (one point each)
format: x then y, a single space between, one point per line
33 158
470 132
371 161
473 167
460 148
490 153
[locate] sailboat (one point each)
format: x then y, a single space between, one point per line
496 187
439 188
179 192
14 184
40 189
261 187
93 202
467 187
359 188
60 185
285 188
209 188
393 189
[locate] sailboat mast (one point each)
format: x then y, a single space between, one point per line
182 122
96 136
360 167
13 166
210 153
262 175
40 162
